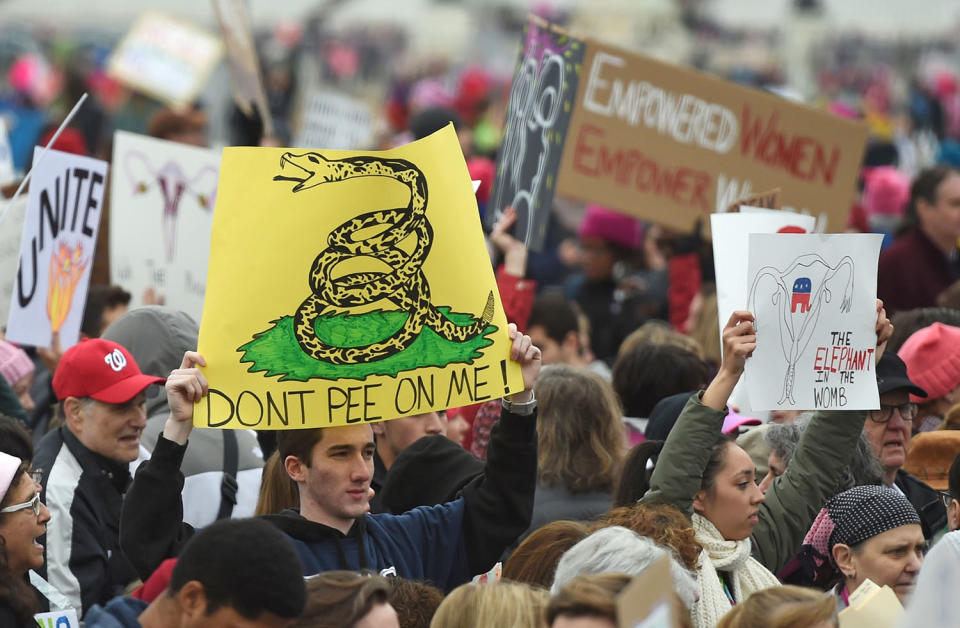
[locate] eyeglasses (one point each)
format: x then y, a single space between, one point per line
946 498
908 412
33 503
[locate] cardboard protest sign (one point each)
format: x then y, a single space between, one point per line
57 619
814 299
647 602
731 239
538 113
167 190
336 121
11 234
671 144
56 249
763 200
166 58
244 63
347 287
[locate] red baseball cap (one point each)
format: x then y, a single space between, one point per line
102 370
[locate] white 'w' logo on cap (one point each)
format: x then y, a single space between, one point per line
115 360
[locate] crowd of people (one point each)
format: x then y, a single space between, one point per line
622 454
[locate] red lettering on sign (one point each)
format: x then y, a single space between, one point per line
631 168
800 155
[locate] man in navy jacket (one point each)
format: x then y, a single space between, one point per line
446 544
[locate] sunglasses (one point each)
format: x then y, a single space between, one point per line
33 503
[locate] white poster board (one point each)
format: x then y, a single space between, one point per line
11 234
57 619
814 299
57 248
335 121
731 237
162 197
165 57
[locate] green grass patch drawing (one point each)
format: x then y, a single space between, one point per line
275 352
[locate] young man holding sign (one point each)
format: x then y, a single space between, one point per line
446 544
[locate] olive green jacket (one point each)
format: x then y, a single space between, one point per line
795 498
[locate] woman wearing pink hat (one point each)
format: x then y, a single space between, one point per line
23 519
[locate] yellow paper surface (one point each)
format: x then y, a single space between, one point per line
381 251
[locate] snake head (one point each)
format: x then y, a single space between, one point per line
307 170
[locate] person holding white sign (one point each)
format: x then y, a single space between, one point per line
747 535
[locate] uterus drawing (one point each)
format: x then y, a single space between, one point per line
174 184
799 293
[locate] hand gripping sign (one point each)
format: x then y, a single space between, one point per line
814 298
365 292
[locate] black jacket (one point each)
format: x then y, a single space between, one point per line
933 515
83 491
494 510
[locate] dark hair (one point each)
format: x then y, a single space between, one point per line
99 299
15 593
299 443
718 458
555 314
415 602
648 373
953 480
535 560
906 323
15 439
634 481
339 599
244 564
924 187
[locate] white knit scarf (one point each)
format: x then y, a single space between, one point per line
733 557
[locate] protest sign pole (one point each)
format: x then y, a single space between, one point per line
43 154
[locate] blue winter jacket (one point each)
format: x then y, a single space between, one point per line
445 544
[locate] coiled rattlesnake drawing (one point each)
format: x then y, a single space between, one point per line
405 285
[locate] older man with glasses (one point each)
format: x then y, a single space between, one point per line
889 431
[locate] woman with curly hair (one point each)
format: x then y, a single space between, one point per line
23 519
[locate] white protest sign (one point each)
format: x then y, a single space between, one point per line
166 191
10 236
56 250
165 57
7 173
814 299
731 234
335 121
58 619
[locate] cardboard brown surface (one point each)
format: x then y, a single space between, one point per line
647 593
766 200
671 144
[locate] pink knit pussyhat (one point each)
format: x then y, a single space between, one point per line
932 356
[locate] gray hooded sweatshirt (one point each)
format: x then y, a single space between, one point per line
157 337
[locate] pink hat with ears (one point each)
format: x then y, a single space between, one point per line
8 470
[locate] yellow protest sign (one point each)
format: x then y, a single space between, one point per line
348 286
